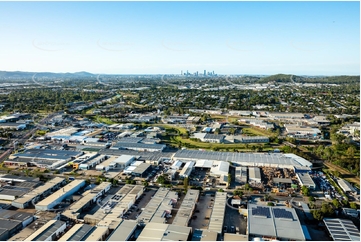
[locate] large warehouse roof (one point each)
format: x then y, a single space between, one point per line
77 233
124 203
245 159
53 197
88 196
217 216
124 159
275 222
157 206
345 185
141 168
39 190
254 173
97 234
305 179
185 210
164 232
47 154
220 168
46 231
138 146
204 163
124 231
342 229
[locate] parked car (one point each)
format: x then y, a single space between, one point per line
233 229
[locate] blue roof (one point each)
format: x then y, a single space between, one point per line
306 233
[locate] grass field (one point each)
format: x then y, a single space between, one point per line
252 131
222 117
180 141
180 130
346 174
104 120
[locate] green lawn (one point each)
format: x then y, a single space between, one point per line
180 141
104 120
252 131
170 127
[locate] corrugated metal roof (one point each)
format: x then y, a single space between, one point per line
217 215
342 229
124 231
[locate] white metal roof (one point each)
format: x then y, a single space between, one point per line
342 229
66 189
217 215
278 222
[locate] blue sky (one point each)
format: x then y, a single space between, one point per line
304 38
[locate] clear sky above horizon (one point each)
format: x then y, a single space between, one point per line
302 38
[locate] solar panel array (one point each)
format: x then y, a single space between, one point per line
342 229
282 213
261 211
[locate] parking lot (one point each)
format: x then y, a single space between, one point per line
233 220
203 212
136 209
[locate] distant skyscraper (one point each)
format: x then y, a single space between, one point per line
181 73
213 73
205 73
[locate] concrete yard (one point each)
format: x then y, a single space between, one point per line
204 211
142 202
233 218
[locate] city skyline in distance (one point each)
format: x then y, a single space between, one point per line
253 38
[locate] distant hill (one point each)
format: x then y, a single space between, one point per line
286 78
22 74
334 79
276 78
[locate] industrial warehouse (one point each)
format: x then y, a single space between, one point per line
245 159
38 193
88 199
57 197
117 193
274 223
42 158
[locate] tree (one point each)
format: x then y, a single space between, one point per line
238 192
185 181
353 205
336 203
270 204
247 186
162 180
317 214
327 210
311 199
345 203
115 182
350 152
145 183
232 131
220 190
305 191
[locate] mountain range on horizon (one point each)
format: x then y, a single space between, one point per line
17 74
